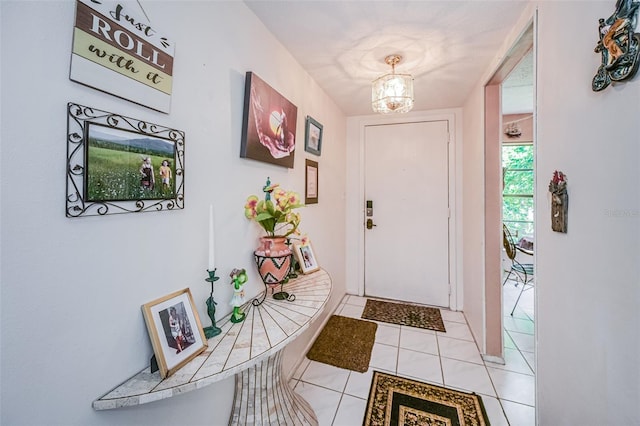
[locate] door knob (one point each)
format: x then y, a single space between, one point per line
370 223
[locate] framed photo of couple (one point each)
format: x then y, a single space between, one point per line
175 330
306 257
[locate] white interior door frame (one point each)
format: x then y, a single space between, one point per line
454 119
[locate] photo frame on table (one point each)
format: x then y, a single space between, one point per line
306 257
118 164
313 136
311 182
175 330
269 124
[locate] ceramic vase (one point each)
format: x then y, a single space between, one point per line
273 258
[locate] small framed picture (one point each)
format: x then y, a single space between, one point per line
313 136
306 257
175 330
311 182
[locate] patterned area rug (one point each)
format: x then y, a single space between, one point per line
395 400
403 314
345 343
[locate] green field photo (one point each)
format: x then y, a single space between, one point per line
114 166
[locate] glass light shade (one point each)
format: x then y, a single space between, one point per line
392 93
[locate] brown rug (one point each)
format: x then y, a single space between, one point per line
403 314
395 400
345 342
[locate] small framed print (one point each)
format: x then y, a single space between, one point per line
175 330
306 257
311 182
313 136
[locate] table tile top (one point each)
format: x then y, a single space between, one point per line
267 329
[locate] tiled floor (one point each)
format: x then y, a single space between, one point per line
452 359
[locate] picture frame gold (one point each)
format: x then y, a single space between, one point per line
306 257
175 330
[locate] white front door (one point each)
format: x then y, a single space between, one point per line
407 182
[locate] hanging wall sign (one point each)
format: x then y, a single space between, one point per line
619 45
118 53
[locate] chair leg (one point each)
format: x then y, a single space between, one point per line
507 277
524 284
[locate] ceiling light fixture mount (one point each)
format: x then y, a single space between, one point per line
392 92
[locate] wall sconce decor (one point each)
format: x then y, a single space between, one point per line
392 92
619 46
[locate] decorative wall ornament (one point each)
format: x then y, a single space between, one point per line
559 201
268 124
619 45
117 164
119 53
513 130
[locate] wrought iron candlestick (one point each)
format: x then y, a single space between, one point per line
212 331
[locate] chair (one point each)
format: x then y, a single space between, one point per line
523 272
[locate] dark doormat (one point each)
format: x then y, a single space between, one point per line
404 314
345 342
395 400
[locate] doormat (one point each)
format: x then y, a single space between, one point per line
345 343
403 314
395 400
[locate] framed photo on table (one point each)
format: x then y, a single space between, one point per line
313 136
175 330
306 257
311 182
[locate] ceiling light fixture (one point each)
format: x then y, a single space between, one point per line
392 92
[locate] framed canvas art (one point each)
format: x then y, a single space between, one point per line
268 124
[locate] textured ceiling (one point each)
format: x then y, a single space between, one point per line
517 88
446 45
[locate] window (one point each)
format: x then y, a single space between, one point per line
517 193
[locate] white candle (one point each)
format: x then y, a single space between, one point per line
211 246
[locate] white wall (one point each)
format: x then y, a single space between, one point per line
72 328
588 285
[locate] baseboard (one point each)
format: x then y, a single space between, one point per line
494 359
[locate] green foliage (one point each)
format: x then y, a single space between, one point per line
114 175
517 207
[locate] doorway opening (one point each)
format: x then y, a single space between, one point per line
509 201
518 179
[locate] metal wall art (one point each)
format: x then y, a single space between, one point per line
619 45
117 164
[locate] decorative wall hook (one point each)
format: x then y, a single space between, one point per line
619 45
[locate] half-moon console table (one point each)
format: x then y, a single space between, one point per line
252 350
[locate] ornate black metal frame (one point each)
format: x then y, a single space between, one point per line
79 118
